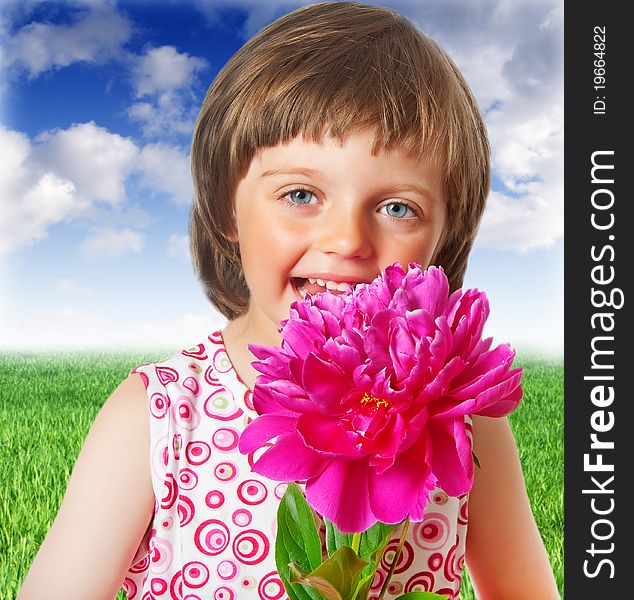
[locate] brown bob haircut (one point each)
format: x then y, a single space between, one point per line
333 68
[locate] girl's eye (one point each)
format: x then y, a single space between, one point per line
299 196
398 210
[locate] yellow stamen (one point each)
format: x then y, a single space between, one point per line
367 398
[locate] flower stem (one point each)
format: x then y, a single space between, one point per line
397 555
356 542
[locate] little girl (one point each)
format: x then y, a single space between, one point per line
337 141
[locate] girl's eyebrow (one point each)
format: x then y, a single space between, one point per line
419 188
292 171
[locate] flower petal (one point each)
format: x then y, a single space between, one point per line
442 381
488 398
326 434
504 406
331 307
325 384
263 401
300 337
290 396
262 352
289 460
429 292
479 383
376 340
486 361
261 430
388 441
340 493
342 354
452 460
273 368
468 322
401 349
398 489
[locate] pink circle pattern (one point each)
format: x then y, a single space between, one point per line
212 534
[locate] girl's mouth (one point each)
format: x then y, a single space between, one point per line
308 285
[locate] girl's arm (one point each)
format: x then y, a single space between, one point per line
505 553
106 509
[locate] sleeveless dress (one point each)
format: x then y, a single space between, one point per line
212 535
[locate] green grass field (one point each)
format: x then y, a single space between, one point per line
47 404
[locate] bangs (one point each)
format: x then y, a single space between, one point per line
383 82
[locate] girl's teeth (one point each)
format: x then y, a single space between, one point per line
330 285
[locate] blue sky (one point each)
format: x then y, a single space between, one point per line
98 103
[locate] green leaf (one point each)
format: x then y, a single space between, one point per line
475 459
336 578
421 596
300 520
321 585
363 587
294 592
297 541
373 542
335 539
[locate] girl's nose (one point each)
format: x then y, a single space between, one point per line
347 235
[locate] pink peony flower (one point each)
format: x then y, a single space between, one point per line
368 394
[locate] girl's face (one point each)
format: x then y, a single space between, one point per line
330 212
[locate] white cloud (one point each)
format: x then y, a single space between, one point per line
111 243
15 148
520 223
96 160
164 69
32 199
82 172
47 202
166 169
50 200
68 286
525 148
163 80
528 159
178 247
166 115
96 35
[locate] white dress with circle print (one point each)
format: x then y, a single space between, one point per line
212 535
